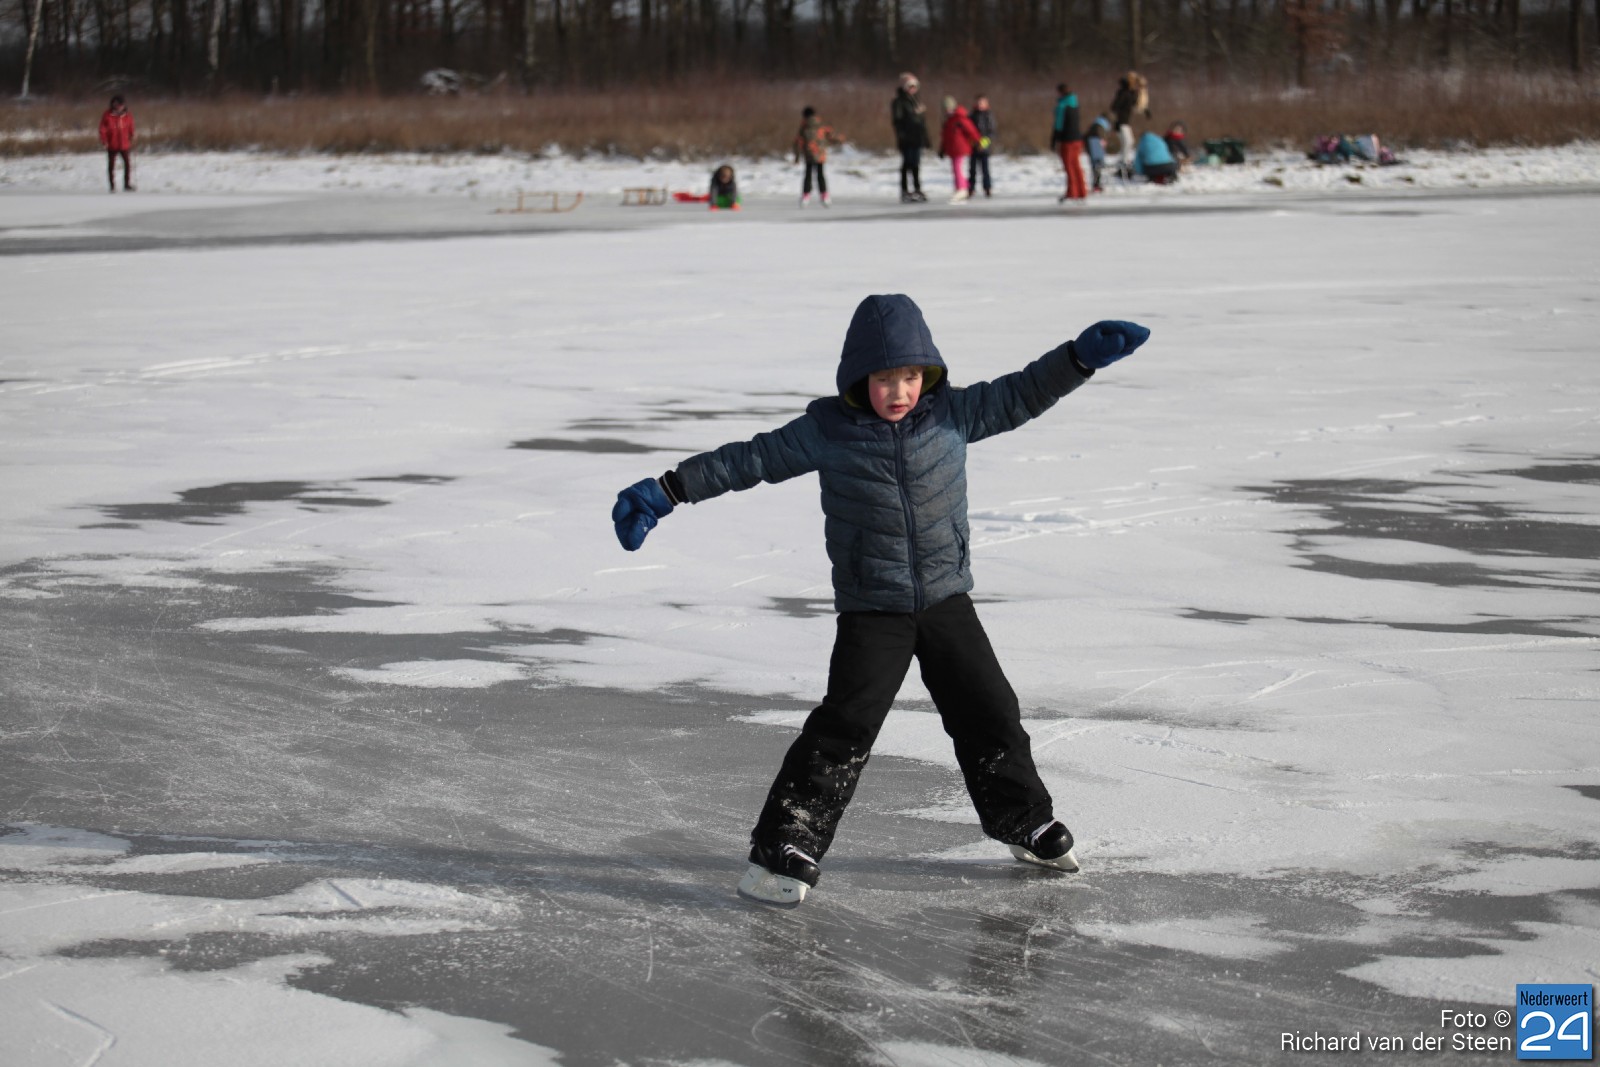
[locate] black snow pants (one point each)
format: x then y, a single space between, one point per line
910 167
979 711
813 167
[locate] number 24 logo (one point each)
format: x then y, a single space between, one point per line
1579 1017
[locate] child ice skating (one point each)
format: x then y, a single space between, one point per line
890 451
116 134
811 148
957 140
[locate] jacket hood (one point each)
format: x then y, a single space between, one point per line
885 332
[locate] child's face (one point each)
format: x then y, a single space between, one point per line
983 103
894 392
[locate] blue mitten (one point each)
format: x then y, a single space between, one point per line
1106 342
639 507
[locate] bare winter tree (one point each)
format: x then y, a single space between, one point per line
534 44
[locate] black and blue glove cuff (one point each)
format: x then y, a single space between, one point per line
672 485
1077 364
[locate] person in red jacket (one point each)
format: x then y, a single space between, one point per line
116 133
956 142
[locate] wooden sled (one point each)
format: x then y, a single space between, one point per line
546 203
638 197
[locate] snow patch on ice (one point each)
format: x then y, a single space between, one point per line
76 1010
32 847
926 1054
1525 876
1222 936
61 1011
438 674
1546 952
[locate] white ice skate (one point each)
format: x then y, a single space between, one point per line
1048 846
779 876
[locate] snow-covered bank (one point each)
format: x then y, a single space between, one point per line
852 174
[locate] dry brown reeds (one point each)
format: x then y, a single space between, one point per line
753 118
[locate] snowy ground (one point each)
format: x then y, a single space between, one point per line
338 729
853 175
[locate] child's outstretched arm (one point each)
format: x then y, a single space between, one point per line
988 408
775 456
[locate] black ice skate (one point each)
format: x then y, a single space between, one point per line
779 875
1048 846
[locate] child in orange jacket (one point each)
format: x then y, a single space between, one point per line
811 147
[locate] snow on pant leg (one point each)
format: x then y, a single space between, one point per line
871 654
1072 158
1125 147
979 711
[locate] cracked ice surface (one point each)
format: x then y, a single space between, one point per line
1299 601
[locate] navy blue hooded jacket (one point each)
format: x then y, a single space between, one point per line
894 494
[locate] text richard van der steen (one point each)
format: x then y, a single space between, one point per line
1553 1022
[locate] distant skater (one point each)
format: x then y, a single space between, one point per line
958 139
910 122
811 147
889 447
1094 145
1066 137
116 134
983 118
1133 95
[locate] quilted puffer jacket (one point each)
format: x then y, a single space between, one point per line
894 494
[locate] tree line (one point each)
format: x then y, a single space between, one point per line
321 45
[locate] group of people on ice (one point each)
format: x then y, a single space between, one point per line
967 137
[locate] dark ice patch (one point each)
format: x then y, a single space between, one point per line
799 607
599 445
1585 471
1387 508
1502 626
1462 516
1204 615
683 411
205 505
411 479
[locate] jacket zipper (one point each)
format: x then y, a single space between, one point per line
911 527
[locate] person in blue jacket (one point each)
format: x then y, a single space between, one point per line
890 451
1154 159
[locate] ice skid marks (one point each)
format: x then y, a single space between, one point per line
105 1038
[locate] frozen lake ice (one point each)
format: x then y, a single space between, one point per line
335 717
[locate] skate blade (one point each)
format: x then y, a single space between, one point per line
764 887
1068 862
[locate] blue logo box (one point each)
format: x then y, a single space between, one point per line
1555 1022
